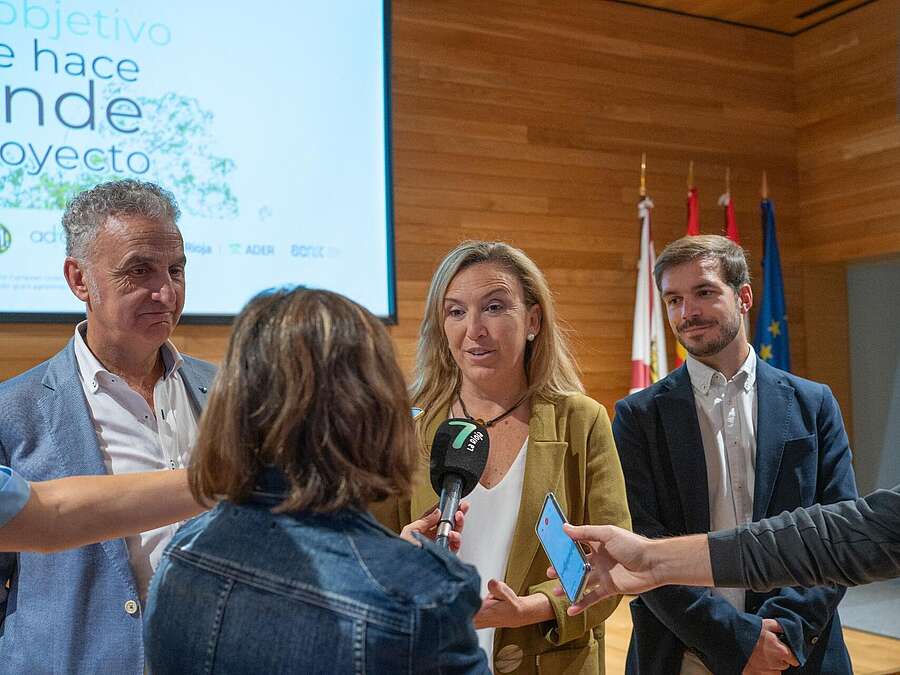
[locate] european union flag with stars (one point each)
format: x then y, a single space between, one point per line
771 337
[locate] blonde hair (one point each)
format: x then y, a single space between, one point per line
549 366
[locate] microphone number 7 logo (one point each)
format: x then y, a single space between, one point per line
467 428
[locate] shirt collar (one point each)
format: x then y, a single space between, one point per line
90 366
702 375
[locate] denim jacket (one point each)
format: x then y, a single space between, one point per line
244 590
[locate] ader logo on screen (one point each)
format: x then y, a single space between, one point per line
5 239
237 248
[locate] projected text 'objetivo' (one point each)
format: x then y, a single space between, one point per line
268 127
53 90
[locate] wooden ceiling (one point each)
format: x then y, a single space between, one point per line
782 16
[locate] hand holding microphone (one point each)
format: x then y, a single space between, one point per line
427 525
459 454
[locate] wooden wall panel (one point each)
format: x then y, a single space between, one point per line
525 121
848 160
827 333
848 138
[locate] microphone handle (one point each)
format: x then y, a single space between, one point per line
450 497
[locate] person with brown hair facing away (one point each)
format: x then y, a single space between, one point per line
307 422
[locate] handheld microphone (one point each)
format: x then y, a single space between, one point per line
459 454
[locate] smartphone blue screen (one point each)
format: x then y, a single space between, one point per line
561 550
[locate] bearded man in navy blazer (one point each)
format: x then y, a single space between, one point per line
722 440
118 398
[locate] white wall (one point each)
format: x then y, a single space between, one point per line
873 298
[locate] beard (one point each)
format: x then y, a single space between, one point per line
718 341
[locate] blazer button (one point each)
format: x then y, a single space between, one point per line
814 640
131 607
508 659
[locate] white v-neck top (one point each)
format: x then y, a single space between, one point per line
488 533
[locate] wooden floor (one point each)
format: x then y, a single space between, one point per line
871 654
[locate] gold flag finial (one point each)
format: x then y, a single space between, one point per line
764 190
643 174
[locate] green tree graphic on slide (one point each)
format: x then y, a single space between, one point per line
176 135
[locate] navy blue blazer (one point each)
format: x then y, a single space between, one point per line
802 458
66 612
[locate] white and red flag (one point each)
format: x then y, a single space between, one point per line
731 228
693 229
731 231
648 342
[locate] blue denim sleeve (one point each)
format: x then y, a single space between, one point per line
458 649
447 634
14 493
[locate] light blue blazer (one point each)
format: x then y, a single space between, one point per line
68 612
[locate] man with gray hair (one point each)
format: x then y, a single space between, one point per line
721 441
118 398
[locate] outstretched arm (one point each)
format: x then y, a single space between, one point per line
79 510
626 563
850 542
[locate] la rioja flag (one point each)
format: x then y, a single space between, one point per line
648 342
693 229
731 231
731 228
693 212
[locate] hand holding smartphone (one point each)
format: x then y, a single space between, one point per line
565 555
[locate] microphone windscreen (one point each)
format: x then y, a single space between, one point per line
460 447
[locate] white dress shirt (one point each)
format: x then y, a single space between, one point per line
132 437
490 525
726 412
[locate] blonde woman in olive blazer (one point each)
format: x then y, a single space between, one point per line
490 349
572 454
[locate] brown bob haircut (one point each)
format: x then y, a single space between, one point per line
309 386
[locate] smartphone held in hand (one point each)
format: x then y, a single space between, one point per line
565 555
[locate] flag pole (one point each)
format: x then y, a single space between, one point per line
691 174
643 175
649 362
764 190
728 180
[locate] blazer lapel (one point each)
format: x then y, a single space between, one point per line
678 413
774 406
197 385
68 418
543 467
423 497
68 421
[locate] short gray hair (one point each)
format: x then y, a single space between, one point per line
732 258
87 211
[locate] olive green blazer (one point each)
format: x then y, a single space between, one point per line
571 452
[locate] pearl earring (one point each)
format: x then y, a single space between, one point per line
531 337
